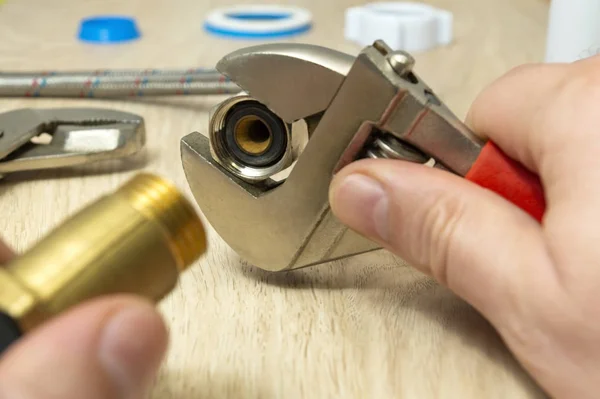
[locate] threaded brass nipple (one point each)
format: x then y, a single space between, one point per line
136 240
160 200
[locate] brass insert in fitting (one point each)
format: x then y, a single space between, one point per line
253 135
136 240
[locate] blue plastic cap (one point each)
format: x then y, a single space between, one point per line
108 29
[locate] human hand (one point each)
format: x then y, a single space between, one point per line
108 348
537 284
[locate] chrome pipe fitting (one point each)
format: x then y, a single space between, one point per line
249 140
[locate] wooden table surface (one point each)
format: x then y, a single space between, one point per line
365 327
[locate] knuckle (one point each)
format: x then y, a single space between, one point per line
580 82
568 109
523 69
494 95
439 234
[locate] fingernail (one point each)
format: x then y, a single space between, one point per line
131 348
361 203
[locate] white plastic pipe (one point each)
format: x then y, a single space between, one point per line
573 30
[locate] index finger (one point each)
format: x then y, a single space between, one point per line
510 110
546 116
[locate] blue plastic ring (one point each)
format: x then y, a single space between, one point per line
108 29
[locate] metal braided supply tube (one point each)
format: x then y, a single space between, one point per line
115 83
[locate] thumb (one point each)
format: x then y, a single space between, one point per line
468 238
108 348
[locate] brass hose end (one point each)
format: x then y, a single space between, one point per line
136 240
160 200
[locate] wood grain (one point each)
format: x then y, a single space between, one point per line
366 327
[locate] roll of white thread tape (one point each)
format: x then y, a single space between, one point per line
258 21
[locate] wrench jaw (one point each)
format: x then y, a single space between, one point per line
276 228
252 219
295 81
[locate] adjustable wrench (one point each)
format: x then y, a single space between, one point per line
373 105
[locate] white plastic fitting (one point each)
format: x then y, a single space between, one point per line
573 30
408 26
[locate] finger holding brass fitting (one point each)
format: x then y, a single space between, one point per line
136 240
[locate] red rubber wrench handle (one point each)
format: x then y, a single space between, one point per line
495 171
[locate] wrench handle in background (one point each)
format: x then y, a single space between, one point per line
495 171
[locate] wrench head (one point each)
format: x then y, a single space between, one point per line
278 226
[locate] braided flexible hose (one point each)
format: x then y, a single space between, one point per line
115 83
